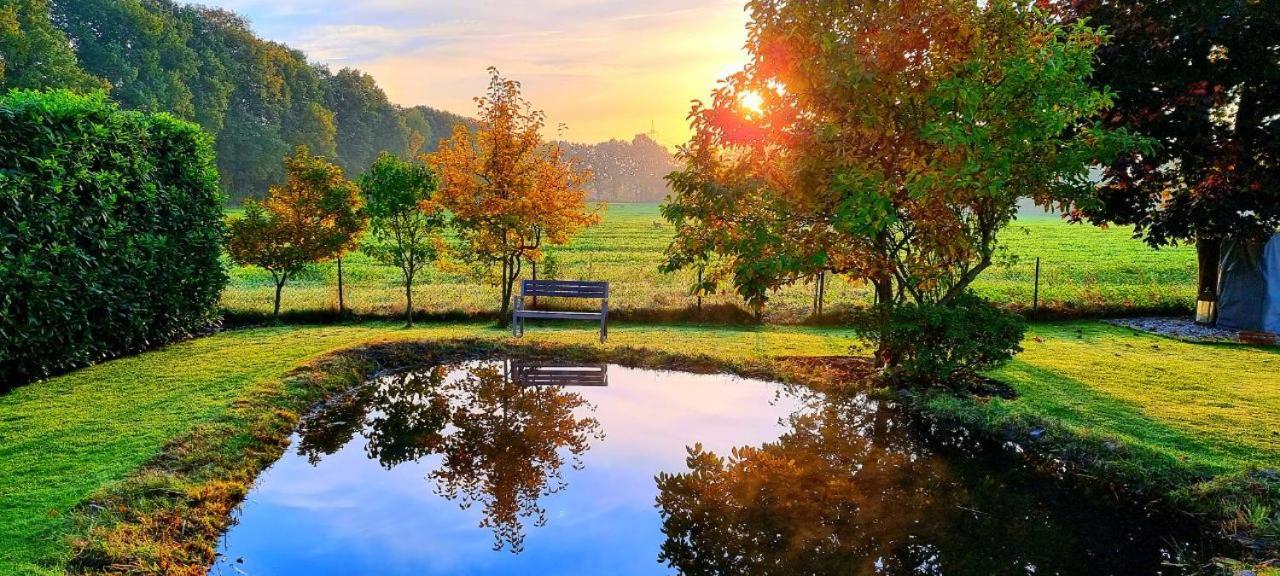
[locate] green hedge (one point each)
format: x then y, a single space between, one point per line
110 232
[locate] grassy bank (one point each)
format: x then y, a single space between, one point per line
1194 425
70 437
87 435
1083 269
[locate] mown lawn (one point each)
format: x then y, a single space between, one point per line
1211 405
1082 268
66 438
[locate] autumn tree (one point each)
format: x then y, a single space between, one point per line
889 141
404 218
313 217
1203 79
509 192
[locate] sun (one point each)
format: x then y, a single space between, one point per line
751 102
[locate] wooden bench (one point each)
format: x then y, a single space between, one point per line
561 289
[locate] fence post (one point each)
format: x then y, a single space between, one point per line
699 289
822 292
1035 298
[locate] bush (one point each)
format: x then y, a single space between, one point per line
110 232
931 345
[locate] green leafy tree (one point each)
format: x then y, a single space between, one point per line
1203 79
314 216
34 53
404 218
890 142
367 122
141 51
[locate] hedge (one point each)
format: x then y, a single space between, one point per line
110 232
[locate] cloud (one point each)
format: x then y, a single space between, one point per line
604 68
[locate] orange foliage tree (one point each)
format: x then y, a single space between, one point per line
315 216
509 191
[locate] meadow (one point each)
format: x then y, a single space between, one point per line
1084 270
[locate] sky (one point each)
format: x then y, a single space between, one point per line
603 68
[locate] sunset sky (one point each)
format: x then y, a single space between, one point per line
603 68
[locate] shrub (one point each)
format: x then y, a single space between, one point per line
932 345
110 231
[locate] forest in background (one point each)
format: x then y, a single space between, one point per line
625 171
259 99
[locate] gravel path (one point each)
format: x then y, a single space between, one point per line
1180 328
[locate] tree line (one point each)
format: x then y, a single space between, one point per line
625 171
259 99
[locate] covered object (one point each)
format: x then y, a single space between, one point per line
1249 286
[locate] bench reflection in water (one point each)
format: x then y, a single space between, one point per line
535 373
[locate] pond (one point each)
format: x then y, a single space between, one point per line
518 467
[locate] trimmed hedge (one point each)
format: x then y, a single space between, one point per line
111 228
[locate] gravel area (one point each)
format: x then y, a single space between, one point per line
1180 328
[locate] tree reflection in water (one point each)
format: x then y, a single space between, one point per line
501 445
848 490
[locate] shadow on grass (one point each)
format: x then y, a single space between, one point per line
1091 412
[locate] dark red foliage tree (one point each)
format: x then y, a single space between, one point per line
1203 78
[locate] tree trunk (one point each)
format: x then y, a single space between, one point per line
341 304
279 287
884 312
506 288
1208 256
408 303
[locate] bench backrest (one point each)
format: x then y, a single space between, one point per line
564 289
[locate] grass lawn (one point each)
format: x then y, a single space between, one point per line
1210 405
66 438
1082 268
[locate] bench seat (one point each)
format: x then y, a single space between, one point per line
561 289
560 315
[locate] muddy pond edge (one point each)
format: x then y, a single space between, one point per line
168 516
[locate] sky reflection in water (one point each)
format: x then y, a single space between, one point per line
469 470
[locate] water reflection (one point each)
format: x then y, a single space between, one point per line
847 491
423 472
502 432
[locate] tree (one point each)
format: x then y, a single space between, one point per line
367 122
509 192
1203 79
404 218
36 54
315 216
888 141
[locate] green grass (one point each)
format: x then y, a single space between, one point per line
1210 406
1083 269
67 438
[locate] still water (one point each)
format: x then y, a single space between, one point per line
513 467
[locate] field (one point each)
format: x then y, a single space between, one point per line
1215 406
1083 269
